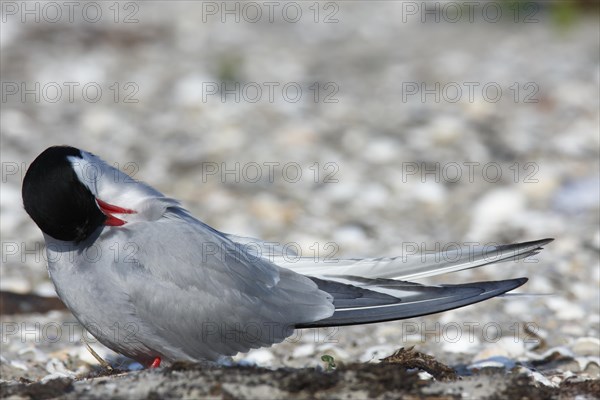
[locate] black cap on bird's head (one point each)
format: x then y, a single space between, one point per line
56 199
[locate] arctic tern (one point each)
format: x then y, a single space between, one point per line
153 283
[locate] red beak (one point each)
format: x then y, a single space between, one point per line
109 210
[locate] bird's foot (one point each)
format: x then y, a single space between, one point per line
155 363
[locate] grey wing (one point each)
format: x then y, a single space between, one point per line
203 297
412 266
362 294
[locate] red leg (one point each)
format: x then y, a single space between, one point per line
155 363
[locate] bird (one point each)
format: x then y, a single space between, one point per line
152 282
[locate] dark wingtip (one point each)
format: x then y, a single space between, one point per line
534 245
504 287
537 243
545 241
518 282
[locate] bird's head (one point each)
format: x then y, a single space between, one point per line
60 194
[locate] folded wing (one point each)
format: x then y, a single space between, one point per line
405 267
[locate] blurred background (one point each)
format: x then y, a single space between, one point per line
350 128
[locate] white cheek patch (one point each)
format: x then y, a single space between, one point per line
118 189
88 172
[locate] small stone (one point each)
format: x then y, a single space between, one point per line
565 309
304 350
381 151
586 346
259 357
497 208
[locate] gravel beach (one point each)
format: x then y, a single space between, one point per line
339 129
